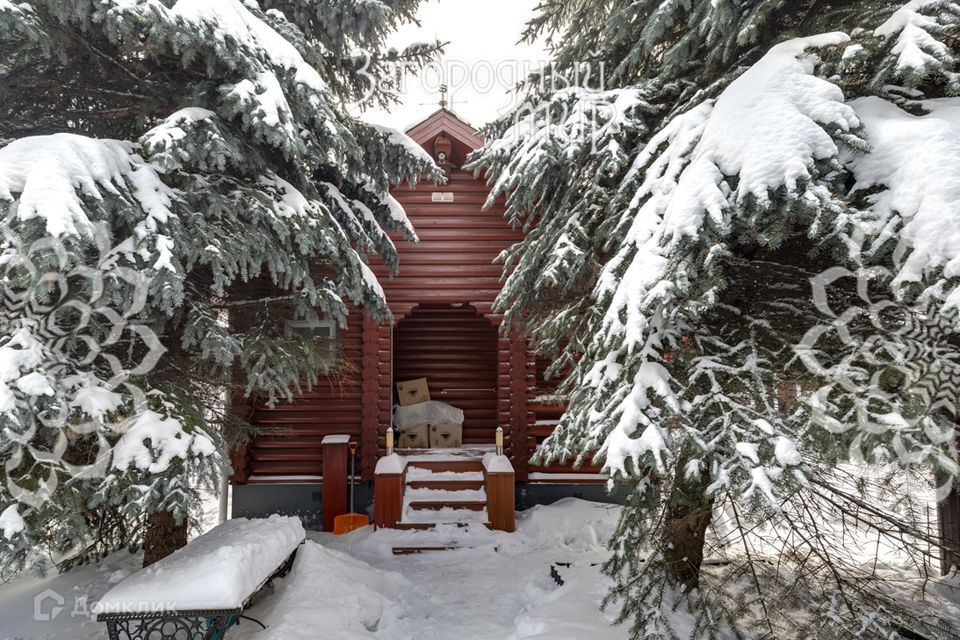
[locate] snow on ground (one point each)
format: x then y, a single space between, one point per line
498 589
57 607
352 587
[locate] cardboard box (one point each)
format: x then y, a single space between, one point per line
446 436
414 437
413 392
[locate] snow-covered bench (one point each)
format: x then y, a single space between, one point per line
198 592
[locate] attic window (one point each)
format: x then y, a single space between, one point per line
442 148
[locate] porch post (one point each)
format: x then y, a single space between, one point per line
388 492
369 397
334 478
240 454
500 483
519 396
240 461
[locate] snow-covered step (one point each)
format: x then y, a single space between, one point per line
445 515
445 480
446 485
457 465
418 473
472 451
459 505
427 526
406 551
430 494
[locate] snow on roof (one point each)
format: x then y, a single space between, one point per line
218 570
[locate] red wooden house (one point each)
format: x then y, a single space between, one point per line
444 328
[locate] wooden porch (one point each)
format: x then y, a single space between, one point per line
418 489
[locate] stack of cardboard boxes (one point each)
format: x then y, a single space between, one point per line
442 434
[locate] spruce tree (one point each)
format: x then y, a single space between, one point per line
178 178
746 274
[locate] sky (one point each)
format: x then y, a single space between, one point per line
481 62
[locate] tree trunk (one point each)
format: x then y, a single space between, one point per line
689 513
162 537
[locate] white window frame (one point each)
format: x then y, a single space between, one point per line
291 325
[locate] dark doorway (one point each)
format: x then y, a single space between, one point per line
455 349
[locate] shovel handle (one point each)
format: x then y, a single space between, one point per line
353 447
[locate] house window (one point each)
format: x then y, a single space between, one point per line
319 328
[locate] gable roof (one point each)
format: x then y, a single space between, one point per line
445 121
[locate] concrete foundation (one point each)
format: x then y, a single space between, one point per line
306 500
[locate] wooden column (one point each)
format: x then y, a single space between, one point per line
240 461
519 418
369 397
334 478
501 500
504 393
385 385
240 454
388 493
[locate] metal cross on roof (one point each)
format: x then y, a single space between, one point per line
444 101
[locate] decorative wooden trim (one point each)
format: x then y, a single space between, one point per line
444 120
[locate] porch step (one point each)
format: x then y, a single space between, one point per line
446 485
448 464
406 551
415 474
431 494
435 505
444 516
426 526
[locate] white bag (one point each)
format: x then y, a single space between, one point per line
429 412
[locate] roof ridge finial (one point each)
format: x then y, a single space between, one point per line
443 96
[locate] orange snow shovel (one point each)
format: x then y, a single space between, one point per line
350 521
